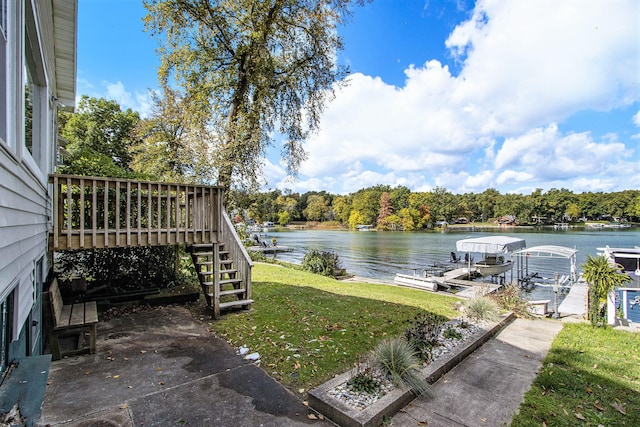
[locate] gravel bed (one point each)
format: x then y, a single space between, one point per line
361 400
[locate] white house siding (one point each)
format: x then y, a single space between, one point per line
25 205
23 233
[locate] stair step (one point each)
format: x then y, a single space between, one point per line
231 271
203 253
230 281
202 245
236 303
232 292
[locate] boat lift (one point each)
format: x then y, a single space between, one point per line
528 280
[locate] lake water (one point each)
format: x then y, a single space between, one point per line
380 255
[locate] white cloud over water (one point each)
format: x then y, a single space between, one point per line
504 121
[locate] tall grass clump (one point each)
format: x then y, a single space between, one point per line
510 298
482 309
398 360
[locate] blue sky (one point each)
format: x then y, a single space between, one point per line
512 95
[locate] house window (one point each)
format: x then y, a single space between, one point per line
35 91
6 328
3 18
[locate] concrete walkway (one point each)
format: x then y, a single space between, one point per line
162 367
487 388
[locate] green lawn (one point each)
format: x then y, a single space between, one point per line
591 377
308 328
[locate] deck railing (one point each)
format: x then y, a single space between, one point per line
96 212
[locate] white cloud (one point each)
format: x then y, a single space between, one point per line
140 102
525 68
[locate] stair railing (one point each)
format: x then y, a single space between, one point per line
237 251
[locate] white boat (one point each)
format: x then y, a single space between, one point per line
429 283
365 227
493 265
495 250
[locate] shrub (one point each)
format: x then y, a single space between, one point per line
398 360
364 382
452 333
423 334
122 268
602 278
482 309
324 263
510 299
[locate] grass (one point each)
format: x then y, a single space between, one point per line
590 377
308 328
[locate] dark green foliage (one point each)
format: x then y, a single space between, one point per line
325 263
464 324
364 382
123 269
602 278
424 332
451 333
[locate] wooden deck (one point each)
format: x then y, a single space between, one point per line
97 212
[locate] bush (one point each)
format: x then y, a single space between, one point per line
123 268
398 360
482 309
364 382
325 263
510 299
451 333
423 334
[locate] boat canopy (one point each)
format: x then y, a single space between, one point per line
490 244
547 251
621 252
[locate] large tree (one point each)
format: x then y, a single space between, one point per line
251 69
100 135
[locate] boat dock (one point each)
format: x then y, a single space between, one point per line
457 277
574 302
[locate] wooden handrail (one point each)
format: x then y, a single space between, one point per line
98 212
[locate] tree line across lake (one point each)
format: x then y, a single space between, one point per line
103 140
398 208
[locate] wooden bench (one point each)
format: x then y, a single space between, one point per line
77 319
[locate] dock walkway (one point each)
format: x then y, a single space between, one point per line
574 302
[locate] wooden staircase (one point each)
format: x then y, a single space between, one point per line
221 281
103 212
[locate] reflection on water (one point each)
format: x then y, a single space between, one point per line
380 255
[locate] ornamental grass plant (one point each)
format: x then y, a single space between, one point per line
399 361
481 309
